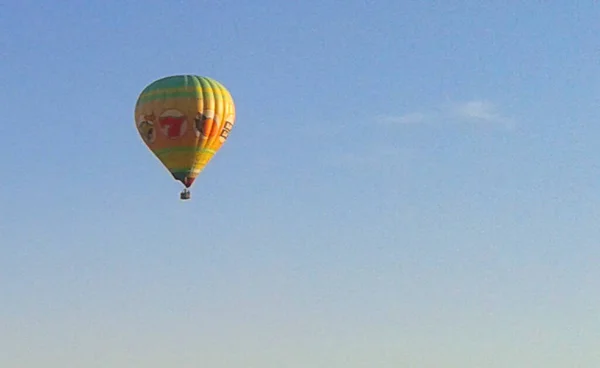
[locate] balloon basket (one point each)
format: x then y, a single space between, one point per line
185 195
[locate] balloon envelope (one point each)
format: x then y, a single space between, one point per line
184 120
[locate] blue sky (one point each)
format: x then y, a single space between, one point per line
430 199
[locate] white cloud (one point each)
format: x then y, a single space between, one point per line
480 111
412 118
387 156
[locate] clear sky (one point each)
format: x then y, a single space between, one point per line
429 196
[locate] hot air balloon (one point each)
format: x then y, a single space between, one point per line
184 120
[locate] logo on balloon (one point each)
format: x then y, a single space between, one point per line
173 124
227 128
199 125
146 127
206 124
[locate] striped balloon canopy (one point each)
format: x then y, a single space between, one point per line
184 120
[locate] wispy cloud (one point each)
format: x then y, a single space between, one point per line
481 111
411 118
474 111
384 156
